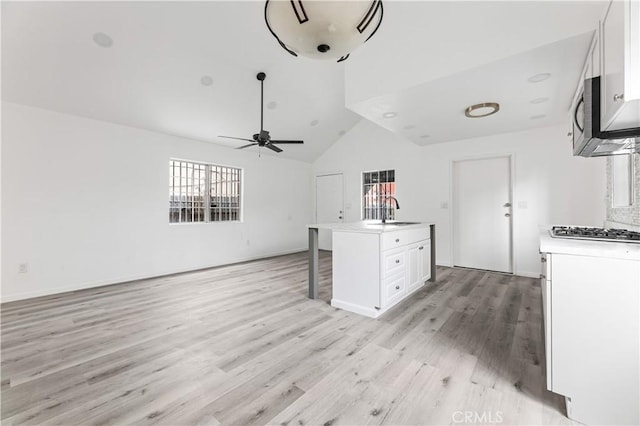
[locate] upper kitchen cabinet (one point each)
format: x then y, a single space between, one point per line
620 43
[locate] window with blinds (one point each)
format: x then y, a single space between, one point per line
203 192
376 187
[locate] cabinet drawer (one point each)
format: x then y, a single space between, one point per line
393 289
395 239
393 261
391 240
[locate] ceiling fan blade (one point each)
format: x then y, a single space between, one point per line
272 148
278 141
247 146
240 139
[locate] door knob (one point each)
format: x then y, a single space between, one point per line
507 214
618 97
507 205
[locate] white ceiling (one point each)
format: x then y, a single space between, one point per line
433 112
150 77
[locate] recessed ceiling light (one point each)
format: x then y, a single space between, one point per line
272 105
206 80
409 127
482 110
425 136
102 40
390 114
537 117
314 123
538 100
539 77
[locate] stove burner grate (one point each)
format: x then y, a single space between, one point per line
602 234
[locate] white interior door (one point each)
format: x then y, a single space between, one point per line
329 205
482 214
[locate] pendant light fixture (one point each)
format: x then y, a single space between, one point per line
322 29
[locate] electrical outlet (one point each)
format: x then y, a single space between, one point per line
444 205
23 268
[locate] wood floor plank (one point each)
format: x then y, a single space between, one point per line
243 345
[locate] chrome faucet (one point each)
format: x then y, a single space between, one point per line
383 207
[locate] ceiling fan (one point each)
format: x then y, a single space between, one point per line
262 138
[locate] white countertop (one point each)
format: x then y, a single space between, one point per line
616 250
368 227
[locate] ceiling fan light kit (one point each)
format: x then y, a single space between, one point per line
322 29
262 138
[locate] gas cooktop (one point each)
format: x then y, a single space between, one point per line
598 234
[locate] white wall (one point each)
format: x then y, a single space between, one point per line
85 203
556 187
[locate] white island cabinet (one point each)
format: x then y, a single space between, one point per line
591 307
375 267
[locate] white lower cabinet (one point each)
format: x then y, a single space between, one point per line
419 265
592 328
374 271
545 285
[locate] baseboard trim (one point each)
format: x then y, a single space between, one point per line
527 274
358 309
104 283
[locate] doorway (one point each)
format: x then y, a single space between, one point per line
329 205
482 214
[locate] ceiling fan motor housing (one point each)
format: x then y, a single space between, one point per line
263 138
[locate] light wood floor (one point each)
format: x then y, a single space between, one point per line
243 345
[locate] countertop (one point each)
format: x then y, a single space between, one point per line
615 250
368 227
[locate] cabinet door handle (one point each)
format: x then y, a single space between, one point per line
421 247
617 97
397 260
397 287
397 240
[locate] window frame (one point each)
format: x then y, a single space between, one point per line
391 210
207 198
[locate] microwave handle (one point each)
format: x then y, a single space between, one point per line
575 114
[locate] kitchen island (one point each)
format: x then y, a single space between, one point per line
375 265
591 313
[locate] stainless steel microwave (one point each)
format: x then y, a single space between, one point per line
588 139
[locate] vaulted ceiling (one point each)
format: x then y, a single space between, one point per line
428 61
